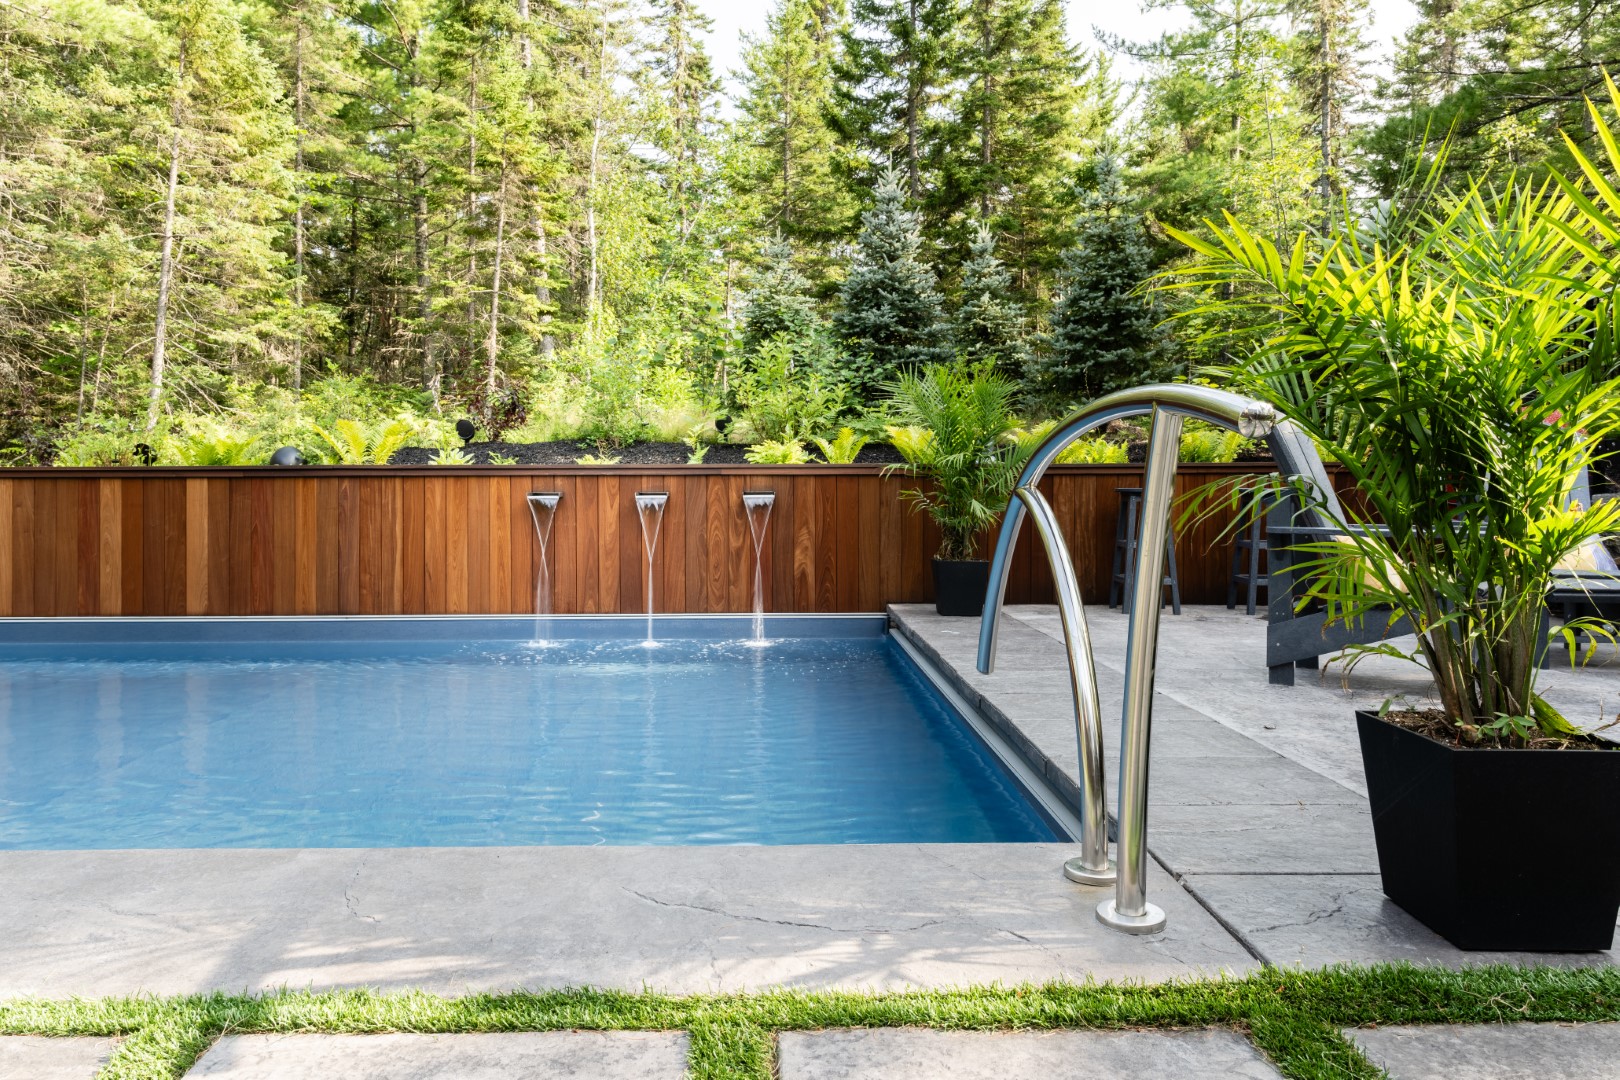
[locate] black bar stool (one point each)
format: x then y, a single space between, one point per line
1127 527
1247 548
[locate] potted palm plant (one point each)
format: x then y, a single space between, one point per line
1459 367
953 427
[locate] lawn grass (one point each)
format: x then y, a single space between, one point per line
1294 1017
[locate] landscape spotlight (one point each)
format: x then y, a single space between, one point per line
466 429
287 455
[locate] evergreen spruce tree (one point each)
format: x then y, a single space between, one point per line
779 302
1105 334
988 325
890 317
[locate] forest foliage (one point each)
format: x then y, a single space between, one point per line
226 224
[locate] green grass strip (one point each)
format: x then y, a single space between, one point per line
1295 1018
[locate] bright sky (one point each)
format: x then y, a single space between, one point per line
733 18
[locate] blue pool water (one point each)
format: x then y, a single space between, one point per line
366 743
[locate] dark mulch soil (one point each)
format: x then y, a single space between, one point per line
1433 724
568 452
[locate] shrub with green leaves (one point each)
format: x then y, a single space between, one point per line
780 396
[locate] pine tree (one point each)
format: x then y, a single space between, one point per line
988 324
1025 106
890 318
1221 126
1327 49
790 164
892 74
1501 80
1105 333
780 301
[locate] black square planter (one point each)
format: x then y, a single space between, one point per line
1509 850
959 586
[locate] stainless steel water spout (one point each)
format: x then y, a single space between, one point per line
1169 406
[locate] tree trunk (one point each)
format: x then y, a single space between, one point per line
1325 61
914 92
160 327
298 202
987 121
537 225
492 345
593 275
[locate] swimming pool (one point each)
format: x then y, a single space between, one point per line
463 732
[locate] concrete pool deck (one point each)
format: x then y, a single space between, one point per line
1258 826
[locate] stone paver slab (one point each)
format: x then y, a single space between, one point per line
919 1054
617 1055
35 1057
677 919
1312 920
1495 1051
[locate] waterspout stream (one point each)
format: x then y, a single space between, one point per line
757 504
650 509
543 508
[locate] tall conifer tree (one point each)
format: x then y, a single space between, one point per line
890 317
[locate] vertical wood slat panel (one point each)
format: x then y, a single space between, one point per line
306 546
22 548
110 554
171 543
8 534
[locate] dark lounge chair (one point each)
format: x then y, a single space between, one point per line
1299 638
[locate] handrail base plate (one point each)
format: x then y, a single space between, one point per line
1151 921
1078 872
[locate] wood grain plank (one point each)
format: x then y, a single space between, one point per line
8 554
261 543
806 511
348 545
196 572
828 537
219 546
436 556
154 534
412 545
110 547
283 545
370 546
306 545
521 551
479 577
22 548
455 546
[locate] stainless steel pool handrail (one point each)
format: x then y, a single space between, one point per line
1169 406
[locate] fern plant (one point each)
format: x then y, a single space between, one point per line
596 459
354 443
1090 451
453 455
212 443
844 449
788 451
953 432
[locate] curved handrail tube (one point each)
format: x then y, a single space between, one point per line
1092 867
1170 406
1247 416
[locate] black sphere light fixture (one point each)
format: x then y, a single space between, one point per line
466 429
287 455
